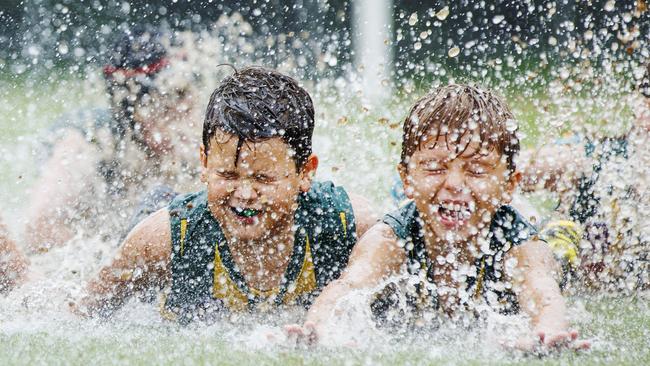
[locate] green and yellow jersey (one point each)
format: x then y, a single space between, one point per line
486 280
205 278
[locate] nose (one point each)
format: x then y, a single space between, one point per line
245 191
455 180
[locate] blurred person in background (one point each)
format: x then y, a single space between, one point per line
101 161
603 185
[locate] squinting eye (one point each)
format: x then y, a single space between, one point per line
433 167
264 178
476 170
227 175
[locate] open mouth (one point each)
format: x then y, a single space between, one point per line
454 213
245 214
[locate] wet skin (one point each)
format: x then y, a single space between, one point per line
456 193
254 199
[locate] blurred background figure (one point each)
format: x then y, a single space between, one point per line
603 184
101 161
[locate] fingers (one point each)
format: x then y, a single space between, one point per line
542 344
301 335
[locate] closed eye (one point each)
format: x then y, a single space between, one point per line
263 178
227 175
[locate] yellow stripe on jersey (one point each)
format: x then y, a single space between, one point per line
183 233
479 280
344 223
224 287
305 283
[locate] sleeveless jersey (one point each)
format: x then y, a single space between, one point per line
508 228
205 278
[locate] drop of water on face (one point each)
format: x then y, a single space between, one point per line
450 258
443 13
441 260
454 51
497 19
413 19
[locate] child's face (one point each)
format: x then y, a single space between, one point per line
255 199
457 196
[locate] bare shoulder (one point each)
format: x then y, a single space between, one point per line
151 238
377 254
364 214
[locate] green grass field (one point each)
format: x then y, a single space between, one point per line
619 327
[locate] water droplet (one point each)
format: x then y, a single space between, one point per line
497 19
610 5
443 13
451 258
511 125
552 41
413 19
454 51
417 45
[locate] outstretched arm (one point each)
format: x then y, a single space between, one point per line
13 264
141 262
535 279
552 167
375 257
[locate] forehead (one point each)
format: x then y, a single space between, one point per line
273 151
450 147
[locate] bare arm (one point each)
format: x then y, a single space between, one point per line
364 216
535 282
375 257
13 264
141 262
63 178
552 167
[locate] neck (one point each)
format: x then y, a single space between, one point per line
263 261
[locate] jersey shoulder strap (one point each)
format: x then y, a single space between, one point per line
325 214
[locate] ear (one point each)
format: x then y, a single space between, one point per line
204 163
511 185
403 175
307 173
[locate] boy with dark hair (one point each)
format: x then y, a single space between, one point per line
458 237
262 234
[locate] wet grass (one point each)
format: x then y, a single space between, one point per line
617 327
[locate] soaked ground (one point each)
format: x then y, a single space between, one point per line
36 327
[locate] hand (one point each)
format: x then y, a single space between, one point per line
302 335
543 343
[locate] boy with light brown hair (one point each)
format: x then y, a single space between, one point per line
457 234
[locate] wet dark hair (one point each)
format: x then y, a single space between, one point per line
134 59
255 104
456 110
